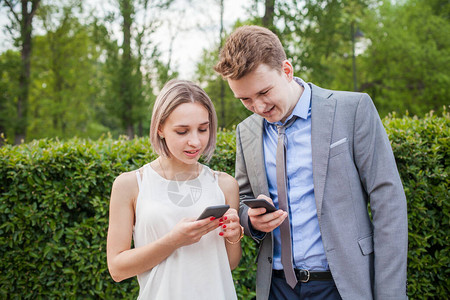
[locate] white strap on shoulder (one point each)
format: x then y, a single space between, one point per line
139 179
216 175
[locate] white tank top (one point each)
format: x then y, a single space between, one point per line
197 271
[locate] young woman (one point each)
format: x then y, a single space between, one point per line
176 256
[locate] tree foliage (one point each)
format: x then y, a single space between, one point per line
10 65
65 78
230 111
132 64
407 65
88 80
402 59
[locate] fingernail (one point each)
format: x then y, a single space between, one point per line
224 226
220 224
212 218
220 233
221 220
224 218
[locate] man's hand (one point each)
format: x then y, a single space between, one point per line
266 222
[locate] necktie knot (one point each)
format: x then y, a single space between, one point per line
282 128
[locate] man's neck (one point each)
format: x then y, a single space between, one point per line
297 92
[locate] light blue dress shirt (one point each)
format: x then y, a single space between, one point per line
307 246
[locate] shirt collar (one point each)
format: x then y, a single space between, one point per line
301 109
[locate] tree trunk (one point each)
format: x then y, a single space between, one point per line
222 82
267 19
2 136
26 47
140 129
126 88
130 131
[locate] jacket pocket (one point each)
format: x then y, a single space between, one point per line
338 147
366 244
341 141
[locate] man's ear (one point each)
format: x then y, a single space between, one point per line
288 70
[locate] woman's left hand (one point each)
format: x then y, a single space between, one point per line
231 229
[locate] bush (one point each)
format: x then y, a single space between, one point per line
54 202
54 199
421 148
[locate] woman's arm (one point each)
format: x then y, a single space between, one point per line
232 230
124 262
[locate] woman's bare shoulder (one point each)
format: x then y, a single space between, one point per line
230 188
226 179
125 186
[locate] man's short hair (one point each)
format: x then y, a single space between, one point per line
248 47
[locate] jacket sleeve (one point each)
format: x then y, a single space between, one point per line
245 189
379 175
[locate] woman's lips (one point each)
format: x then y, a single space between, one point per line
192 153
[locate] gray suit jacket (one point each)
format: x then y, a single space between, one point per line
353 165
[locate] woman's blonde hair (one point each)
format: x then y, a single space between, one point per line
174 93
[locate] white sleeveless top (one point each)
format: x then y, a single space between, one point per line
197 271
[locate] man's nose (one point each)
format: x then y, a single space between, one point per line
259 106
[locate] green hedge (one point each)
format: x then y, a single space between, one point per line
54 212
421 148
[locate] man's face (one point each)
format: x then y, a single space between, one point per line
267 92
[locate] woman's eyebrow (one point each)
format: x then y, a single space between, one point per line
182 125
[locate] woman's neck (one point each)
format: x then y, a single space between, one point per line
173 170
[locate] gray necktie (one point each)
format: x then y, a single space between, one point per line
285 229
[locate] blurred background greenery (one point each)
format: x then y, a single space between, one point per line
73 69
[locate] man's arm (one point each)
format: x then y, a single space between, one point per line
245 189
379 175
254 220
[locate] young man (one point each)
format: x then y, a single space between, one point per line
337 159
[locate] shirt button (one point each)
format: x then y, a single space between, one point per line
269 259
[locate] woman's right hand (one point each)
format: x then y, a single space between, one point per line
190 231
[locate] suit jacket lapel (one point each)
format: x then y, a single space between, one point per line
322 118
252 145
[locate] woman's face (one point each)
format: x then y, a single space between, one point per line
186 132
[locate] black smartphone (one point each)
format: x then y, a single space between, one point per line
257 203
214 211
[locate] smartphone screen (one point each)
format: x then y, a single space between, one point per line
256 203
216 211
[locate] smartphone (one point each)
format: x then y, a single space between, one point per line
257 203
214 211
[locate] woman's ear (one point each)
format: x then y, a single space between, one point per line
160 133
